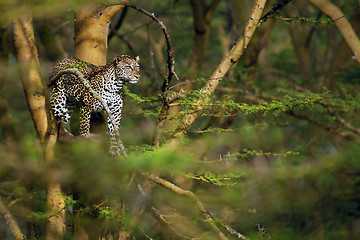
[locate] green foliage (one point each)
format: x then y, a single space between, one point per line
165 158
219 180
79 65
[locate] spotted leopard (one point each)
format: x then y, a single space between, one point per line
68 91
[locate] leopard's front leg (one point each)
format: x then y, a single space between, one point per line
115 110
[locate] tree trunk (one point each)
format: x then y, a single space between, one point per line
202 21
91 32
45 124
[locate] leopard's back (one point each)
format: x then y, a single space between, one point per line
70 84
68 62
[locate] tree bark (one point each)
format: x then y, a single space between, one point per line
222 69
91 32
45 124
345 28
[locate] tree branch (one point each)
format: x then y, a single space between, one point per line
345 28
223 68
189 194
10 221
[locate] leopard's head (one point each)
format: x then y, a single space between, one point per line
127 68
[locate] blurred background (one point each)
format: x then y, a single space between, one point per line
273 155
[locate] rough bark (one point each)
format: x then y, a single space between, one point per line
45 124
345 28
222 69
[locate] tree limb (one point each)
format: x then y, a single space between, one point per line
189 194
345 28
10 221
223 68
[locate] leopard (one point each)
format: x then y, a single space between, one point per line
68 91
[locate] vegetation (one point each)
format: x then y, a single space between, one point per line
252 134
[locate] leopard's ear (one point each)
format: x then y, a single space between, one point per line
137 58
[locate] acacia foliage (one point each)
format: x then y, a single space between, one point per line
275 155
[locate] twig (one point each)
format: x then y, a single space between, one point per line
87 85
189 194
342 121
10 221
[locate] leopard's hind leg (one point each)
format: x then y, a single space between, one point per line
62 110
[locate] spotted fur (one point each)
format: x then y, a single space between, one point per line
68 91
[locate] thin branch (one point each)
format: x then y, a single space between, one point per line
344 123
211 8
118 23
189 194
10 221
233 231
170 61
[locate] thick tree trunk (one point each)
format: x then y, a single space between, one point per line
91 32
45 124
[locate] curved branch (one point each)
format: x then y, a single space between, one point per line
170 60
345 28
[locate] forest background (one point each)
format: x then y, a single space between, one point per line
256 142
